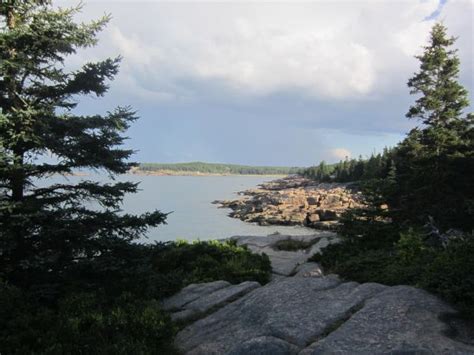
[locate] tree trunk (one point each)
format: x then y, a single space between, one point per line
11 21
17 181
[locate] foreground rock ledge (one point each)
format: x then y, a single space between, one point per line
321 316
310 314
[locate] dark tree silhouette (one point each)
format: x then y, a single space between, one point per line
45 230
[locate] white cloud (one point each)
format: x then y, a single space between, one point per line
324 49
339 153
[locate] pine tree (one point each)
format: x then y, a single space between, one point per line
45 230
442 99
435 160
323 172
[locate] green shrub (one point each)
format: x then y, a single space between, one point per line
369 229
159 270
451 275
448 272
410 246
83 324
126 326
368 266
110 304
294 245
210 261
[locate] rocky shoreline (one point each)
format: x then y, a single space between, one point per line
295 200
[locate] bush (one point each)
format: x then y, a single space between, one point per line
110 304
83 324
369 229
451 275
411 260
294 245
159 270
210 261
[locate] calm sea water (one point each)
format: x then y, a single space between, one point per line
189 199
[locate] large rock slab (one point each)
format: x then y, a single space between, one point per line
309 270
285 262
400 320
192 292
214 300
295 310
259 242
265 345
323 315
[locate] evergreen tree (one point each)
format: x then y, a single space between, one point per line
44 231
435 161
358 168
442 99
323 173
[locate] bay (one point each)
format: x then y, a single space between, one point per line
189 199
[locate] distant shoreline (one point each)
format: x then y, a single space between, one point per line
140 172
211 169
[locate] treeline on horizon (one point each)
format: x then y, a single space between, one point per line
217 168
377 166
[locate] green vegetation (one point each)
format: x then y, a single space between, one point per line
83 323
72 280
425 236
211 168
376 167
405 258
111 303
47 230
294 245
209 261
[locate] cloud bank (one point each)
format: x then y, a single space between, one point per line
313 68
326 50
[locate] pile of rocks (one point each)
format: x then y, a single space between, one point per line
295 201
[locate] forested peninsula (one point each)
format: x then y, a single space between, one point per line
201 168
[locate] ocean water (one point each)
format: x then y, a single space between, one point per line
189 198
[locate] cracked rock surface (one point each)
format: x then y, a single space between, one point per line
296 311
284 262
196 300
399 320
311 314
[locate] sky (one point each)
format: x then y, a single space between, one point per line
267 83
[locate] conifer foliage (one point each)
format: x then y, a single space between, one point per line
431 170
425 236
435 162
443 98
44 230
